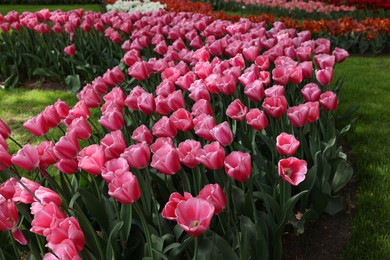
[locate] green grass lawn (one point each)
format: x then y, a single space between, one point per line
4 9
367 85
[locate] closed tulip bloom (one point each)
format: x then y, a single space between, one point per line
146 103
68 166
255 90
238 165
324 60
182 119
112 120
162 106
113 144
275 106
188 151
176 100
131 57
37 125
202 106
286 144
5 131
164 128
26 158
92 159
113 168
165 88
298 115
62 108
3 143
131 99
80 110
46 196
329 101
114 76
250 53
222 133
274 91
281 75
67 147
194 215
117 95
137 155
159 142
292 170
236 110
139 70
46 153
325 76
340 54
166 160
185 81
314 111
9 219
99 86
70 50
7 188
307 69
5 158
311 92
125 188
198 90
212 156
45 216
22 194
80 128
142 134
214 194
51 116
203 124
168 211
256 119
303 53
263 62
65 250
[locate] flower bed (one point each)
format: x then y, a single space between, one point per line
134 6
217 133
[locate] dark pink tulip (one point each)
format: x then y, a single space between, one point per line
170 74
296 75
214 195
202 106
281 75
146 103
314 111
250 53
51 116
164 128
182 119
234 48
67 147
292 170
37 125
131 99
80 128
203 124
5 27
203 69
188 151
5 131
201 55
255 90
46 196
329 101
198 90
26 158
131 57
44 216
217 47
115 95
5 158
114 167
9 219
194 215
311 92
286 144
137 155
114 76
250 75
169 209
70 50
57 28
307 69
162 106
90 97
275 106
165 88
263 62
276 90
325 76
166 160
161 48
62 108
212 156
3 143
46 153
340 54
298 115
176 100
324 60
256 119
236 110
65 250
142 134
68 166
21 193
222 133
238 165
113 144
159 142
184 82
124 188
80 110
92 159
7 188
99 86
139 70
112 120
303 53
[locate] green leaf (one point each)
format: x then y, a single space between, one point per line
224 247
110 252
310 179
342 175
126 217
12 81
238 198
335 205
45 72
73 83
288 207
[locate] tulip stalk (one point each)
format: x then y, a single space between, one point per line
145 227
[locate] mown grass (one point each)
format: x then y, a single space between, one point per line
367 86
4 9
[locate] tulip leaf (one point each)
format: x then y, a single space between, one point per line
45 72
2 257
288 207
334 206
310 179
253 243
224 247
238 198
342 176
73 83
170 247
110 251
126 216
176 253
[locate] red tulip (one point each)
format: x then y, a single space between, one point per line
292 170
26 158
222 133
141 134
286 144
194 215
166 160
212 156
124 188
257 119
214 195
329 100
238 165
169 209
5 158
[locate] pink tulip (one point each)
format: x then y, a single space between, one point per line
62 108
142 134
22 194
202 106
182 120
137 155
9 219
188 151
236 110
112 119
165 88
166 160
115 95
46 154
114 168
124 188
70 50
131 57
162 106
275 106
80 128
3 143
139 70
329 101
5 131
307 69
263 62
67 147
65 250
303 53
113 144
250 53
194 215
198 90
311 92
164 128
114 76
222 133
99 86
298 115
255 90
92 159
175 100
281 75
68 166
26 158
7 188
90 97
314 111
340 54
170 74
212 156
169 209
286 144
79 110
184 82
146 103
256 119
5 158
159 142
44 216
46 196
324 60
214 195
51 116
203 124
131 99
292 170
238 165
276 90
325 76
37 125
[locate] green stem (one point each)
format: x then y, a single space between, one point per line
196 248
146 228
16 142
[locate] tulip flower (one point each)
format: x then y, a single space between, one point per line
22 194
62 108
298 115
67 147
92 159
70 50
142 133
182 120
166 160
46 154
238 165
5 131
124 188
44 216
137 155
286 144
256 119
68 166
188 151
275 106
37 125
311 92
164 128
26 158
314 111
5 158
9 219
169 209
292 170
236 110
329 101
222 133
214 194
212 156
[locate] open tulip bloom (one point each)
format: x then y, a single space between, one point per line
191 153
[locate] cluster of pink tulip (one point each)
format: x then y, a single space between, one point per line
307 6
206 79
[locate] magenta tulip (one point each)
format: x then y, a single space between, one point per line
164 128
275 106
5 131
26 158
113 144
188 151
256 119
142 134
222 133
236 110
329 101
124 188
292 170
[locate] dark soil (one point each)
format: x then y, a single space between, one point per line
36 84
